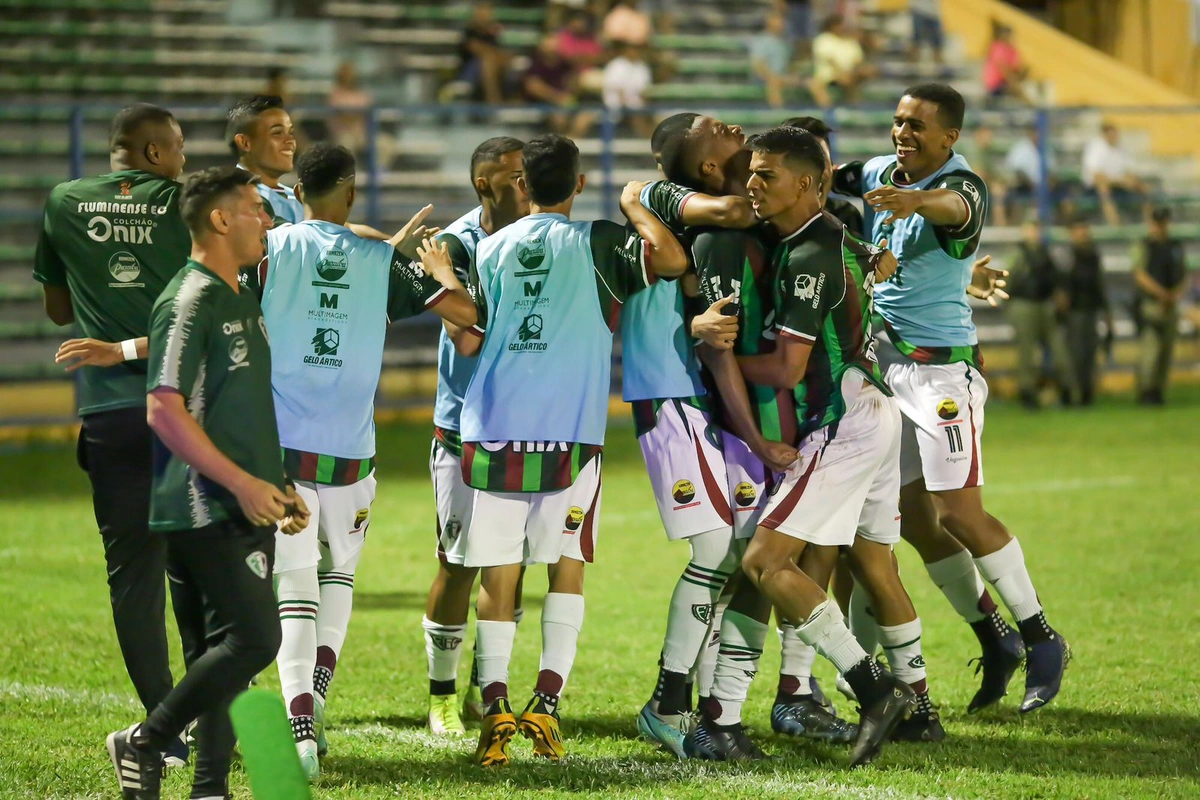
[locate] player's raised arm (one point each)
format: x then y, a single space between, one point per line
665 256
456 305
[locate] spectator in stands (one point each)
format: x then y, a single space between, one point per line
482 62
558 11
580 47
1160 274
838 60
799 20
1109 171
927 31
1025 173
771 60
1004 70
982 157
348 127
550 80
627 24
1086 302
1035 288
626 79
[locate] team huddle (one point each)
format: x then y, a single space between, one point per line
805 381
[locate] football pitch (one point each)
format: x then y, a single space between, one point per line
1104 501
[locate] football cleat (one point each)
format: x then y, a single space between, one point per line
808 719
176 754
473 708
819 695
923 726
139 769
309 761
709 742
443 716
845 689
896 702
319 727
540 725
499 727
668 731
998 664
1045 663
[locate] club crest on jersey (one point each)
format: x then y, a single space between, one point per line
360 517
683 491
257 562
745 494
239 350
947 409
574 519
703 612
125 187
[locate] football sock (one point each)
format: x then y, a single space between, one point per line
902 645
706 664
825 629
562 619
742 639
795 665
671 694
958 579
695 594
1005 570
862 620
493 650
333 618
443 646
518 614
298 595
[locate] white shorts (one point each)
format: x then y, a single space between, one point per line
336 530
942 405
454 500
536 527
687 471
846 482
748 482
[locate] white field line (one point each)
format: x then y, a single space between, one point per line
61 694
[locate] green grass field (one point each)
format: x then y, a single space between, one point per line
1103 500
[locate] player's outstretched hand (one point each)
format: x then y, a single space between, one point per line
777 455
902 203
413 233
263 503
885 263
297 513
987 282
76 353
714 327
435 258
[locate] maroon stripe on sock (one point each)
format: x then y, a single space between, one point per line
920 687
710 707
301 706
494 691
326 657
549 683
986 604
306 610
789 684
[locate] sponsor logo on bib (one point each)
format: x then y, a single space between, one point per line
125 269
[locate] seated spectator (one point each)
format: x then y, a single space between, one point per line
626 79
1026 173
980 155
1109 171
927 29
482 62
1004 70
550 80
580 47
838 61
771 60
349 129
627 24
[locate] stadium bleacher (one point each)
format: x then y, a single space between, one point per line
71 63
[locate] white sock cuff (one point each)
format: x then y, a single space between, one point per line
564 609
436 627
950 569
751 632
1000 563
893 636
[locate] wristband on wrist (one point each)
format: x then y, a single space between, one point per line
129 349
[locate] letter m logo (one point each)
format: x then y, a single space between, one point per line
328 300
533 289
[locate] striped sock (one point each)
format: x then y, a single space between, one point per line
333 617
298 602
741 647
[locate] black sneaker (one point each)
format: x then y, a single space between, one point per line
820 697
1045 663
923 726
894 703
709 742
807 719
139 769
999 662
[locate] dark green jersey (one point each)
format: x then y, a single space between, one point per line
734 262
847 212
209 343
114 241
667 200
824 283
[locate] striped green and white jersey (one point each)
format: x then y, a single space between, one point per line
208 342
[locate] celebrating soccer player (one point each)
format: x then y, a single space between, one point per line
108 247
926 201
262 138
218 487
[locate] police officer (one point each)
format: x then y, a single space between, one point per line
1087 301
1160 275
1035 286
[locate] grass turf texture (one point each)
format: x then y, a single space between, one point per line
1102 499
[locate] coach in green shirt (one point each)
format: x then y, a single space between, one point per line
107 248
218 491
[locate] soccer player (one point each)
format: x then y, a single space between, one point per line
534 415
262 138
844 210
218 486
843 489
926 200
108 247
327 295
495 176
